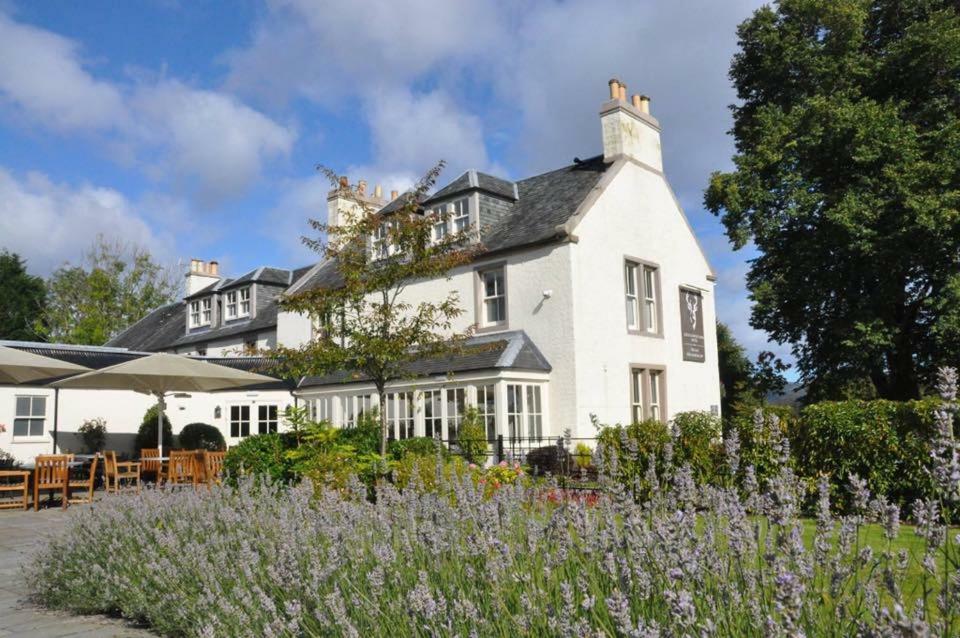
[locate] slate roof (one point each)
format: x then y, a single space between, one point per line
545 202
534 208
506 350
475 180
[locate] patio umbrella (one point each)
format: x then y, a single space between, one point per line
162 374
19 366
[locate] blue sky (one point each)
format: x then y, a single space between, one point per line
194 127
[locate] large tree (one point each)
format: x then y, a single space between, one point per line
367 325
22 299
847 181
114 286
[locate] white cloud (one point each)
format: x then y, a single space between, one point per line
327 50
412 132
209 141
42 78
49 223
206 143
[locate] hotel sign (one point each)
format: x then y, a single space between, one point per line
691 325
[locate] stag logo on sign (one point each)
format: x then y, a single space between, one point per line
691 325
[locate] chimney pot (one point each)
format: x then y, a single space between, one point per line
394 195
614 89
378 191
635 100
344 182
644 104
215 268
623 93
362 187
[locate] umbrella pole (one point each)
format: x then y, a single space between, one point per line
160 408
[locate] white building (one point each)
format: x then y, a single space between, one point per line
592 296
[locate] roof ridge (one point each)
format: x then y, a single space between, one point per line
561 168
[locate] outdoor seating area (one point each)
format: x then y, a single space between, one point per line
71 479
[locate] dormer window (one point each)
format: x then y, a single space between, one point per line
461 215
231 305
201 312
244 295
452 217
380 246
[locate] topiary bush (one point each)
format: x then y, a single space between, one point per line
201 436
264 455
882 442
147 434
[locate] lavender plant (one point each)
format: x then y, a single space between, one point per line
461 560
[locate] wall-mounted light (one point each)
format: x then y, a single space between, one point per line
216 412
547 293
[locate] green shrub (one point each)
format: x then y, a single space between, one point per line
201 436
633 446
761 434
582 455
472 439
697 440
364 437
262 455
94 434
417 446
147 434
883 442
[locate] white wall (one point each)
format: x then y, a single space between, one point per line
548 322
637 216
123 412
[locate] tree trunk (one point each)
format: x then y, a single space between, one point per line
382 394
902 384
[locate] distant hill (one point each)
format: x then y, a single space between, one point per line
793 393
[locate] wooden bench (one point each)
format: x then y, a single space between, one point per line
21 486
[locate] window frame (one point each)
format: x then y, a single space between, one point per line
641 296
240 420
645 374
480 298
241 313
272 422
232 303
30 417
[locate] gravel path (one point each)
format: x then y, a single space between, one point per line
20 533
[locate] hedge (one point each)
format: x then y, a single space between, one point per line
884 442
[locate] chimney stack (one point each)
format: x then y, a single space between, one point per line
628 128
341 200
201 275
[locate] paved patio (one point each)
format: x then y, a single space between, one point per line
20 533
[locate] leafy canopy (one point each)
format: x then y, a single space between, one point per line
23 300
847 181
367 325
115 286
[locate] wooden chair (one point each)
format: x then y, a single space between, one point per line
15 481
85 484
181 469
213 467
51 472
115 471
148 466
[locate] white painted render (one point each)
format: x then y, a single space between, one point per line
123 412
637 216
